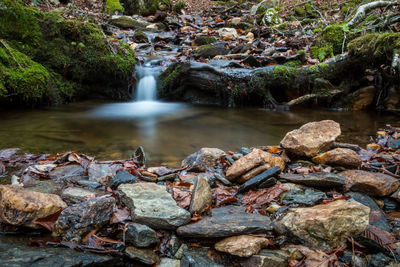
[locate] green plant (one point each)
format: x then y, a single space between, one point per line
179 6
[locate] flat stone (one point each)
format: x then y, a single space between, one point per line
242 245
339 157
167 262
146 256
152 205
202 159
252 160
139 235
22 207
257 170
370 183
301 195
128 22
102 172
201 196
72 172
260 179
80 219
43 186
228 33
73 195
123 177
7 154
316 179
227 221
267 258
311 138
198 257
328 224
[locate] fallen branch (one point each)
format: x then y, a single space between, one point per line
364 9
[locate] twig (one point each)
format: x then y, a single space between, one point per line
362 11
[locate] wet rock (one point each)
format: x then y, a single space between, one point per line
68 173
228 33
210 51
140 37
339 157
152 205
200 160
204 40
260 179
201 197
123 177
267 258
22 207
167 262
140 156
302 195
394 143
252 173
79 219
227 221
139 235
370 183
242 245
73 195
311 138
126 22
198 257
6 154
254 159
316 179
146 256
43 186
91 184
329 224
102 173
251 61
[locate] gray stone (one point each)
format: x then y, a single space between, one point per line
200 160
301 195
146 256
227 221
152 205
128 22
198 257
123 177
102 173
317 179
202 196
167 262
91 184
260 179
139 235
43 186
79 219
73 195
67 173
267 258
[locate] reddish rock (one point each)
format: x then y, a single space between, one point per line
339 157
242 245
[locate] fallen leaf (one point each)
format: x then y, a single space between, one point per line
316 258
223 195
264 196
182 197
385 239
120 215
49 221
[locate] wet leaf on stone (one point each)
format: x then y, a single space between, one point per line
385 239
49 221
182 197
120 215
224 195
264 196
316 258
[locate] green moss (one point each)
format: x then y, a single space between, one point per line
169 81
179 6
293 63
113 6
299 11
204 40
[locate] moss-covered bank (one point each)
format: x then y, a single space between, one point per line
45 58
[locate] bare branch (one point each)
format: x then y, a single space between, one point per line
364 9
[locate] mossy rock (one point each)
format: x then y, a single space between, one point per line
127 22
210 51
204 40
140 37
113 6
141 7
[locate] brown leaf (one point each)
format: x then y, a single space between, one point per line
316 258
49 221
385 239
264 196
120 215
223 195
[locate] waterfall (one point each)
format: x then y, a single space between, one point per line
146 89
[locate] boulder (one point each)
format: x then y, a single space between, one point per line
152 205
127 22
311 138
316 179
139 235
339 157
370 183
242 245
227 221
201 196
228 33
202 159
146 256
329 224
22 207
252 160
80 219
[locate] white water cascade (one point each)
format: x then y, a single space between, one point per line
146 89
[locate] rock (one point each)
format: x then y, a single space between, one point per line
339 157
370 183
251 61
73 195
139 156
102 173
316 179
43 186
260 179
152 205
302 195
394 143
7 154
227 33
201 196
204 40
167 262
72 172
198 257
202 159
254 159
257 170
146 256
140 37
126 22
242 245
329 224
81 218
271 17
22 207
123 177
267 258
234 21
311 138
91 184
227 221
250 37
139 235
261 7
210 51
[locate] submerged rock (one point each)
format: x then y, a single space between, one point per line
316 179
329 224
22 207
152 205
139 235
242 245
201 196
370 183
79 219
339 157
311 138
227 221
202 159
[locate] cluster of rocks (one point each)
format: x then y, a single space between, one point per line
309 200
